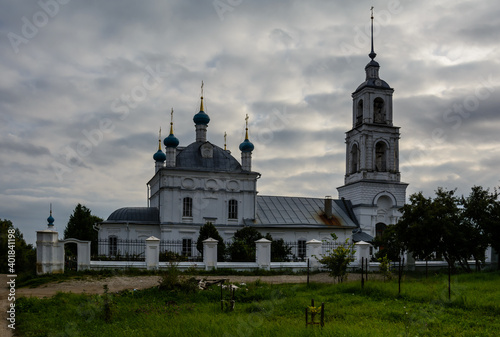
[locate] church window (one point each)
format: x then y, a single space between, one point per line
354 158
379 229
232 209
187 207
301 249
379 110
381 157
359 113
186 247
112 246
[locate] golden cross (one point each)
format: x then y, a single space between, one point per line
372 12
172 116
246 120
225 138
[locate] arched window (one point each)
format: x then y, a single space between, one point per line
381 157
354 159
379 229
232 211
187 207
112 246
359 113
378 110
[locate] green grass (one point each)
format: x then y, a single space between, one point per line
422 309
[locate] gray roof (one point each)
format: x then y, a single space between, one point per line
135 214
299 211
361 236
191 158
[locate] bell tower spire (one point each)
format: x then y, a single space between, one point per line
372 152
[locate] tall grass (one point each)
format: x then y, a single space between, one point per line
422 309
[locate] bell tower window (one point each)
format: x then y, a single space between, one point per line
354 158
359 113
381 157
379 110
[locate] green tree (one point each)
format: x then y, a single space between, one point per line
389 244
242 249
479 219
25 254
81 226
279 249
337 260
208 230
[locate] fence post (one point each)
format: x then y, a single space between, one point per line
263 253
313 253
363 251
210 253
49 253
152 253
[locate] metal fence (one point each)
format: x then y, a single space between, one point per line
121 250
179 250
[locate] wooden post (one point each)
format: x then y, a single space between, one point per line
449 281
221 298
322 322
362 272
308 272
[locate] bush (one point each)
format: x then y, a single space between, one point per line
337 260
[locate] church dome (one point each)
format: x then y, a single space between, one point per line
171 141
246 146
201 118
160 156
50 220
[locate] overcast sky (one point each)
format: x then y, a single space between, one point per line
85 86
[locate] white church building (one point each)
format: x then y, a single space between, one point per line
202 182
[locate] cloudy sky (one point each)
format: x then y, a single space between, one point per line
85 86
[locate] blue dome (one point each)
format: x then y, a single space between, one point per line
201 118
171 141
246 146
50 220
159 156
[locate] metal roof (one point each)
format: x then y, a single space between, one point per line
290 211
192 159
135 214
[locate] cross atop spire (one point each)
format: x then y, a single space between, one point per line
225 141
201 104
246 126
372 53
172 121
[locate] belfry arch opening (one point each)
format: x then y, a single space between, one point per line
379 111
354 158
359 113
381 157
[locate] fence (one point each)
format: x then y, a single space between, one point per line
179 250
120 250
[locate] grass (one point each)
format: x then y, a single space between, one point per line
422 309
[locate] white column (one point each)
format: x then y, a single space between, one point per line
263 253
83 260
49 253
171 152
210 253
362 250
246 161
313 253
152 253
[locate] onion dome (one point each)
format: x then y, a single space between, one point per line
246 146
171 140
50 219
201 118
159 155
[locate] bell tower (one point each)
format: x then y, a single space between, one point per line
372 181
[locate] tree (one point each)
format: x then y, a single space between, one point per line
208 230
279 249
25 254
389 245
242 249
81 226
480 218
337 260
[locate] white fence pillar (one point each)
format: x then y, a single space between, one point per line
210 253
313 253
362 251
83 251
49 253
152 253
263 253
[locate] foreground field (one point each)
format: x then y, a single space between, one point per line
262 309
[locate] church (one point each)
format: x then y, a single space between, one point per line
202 182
